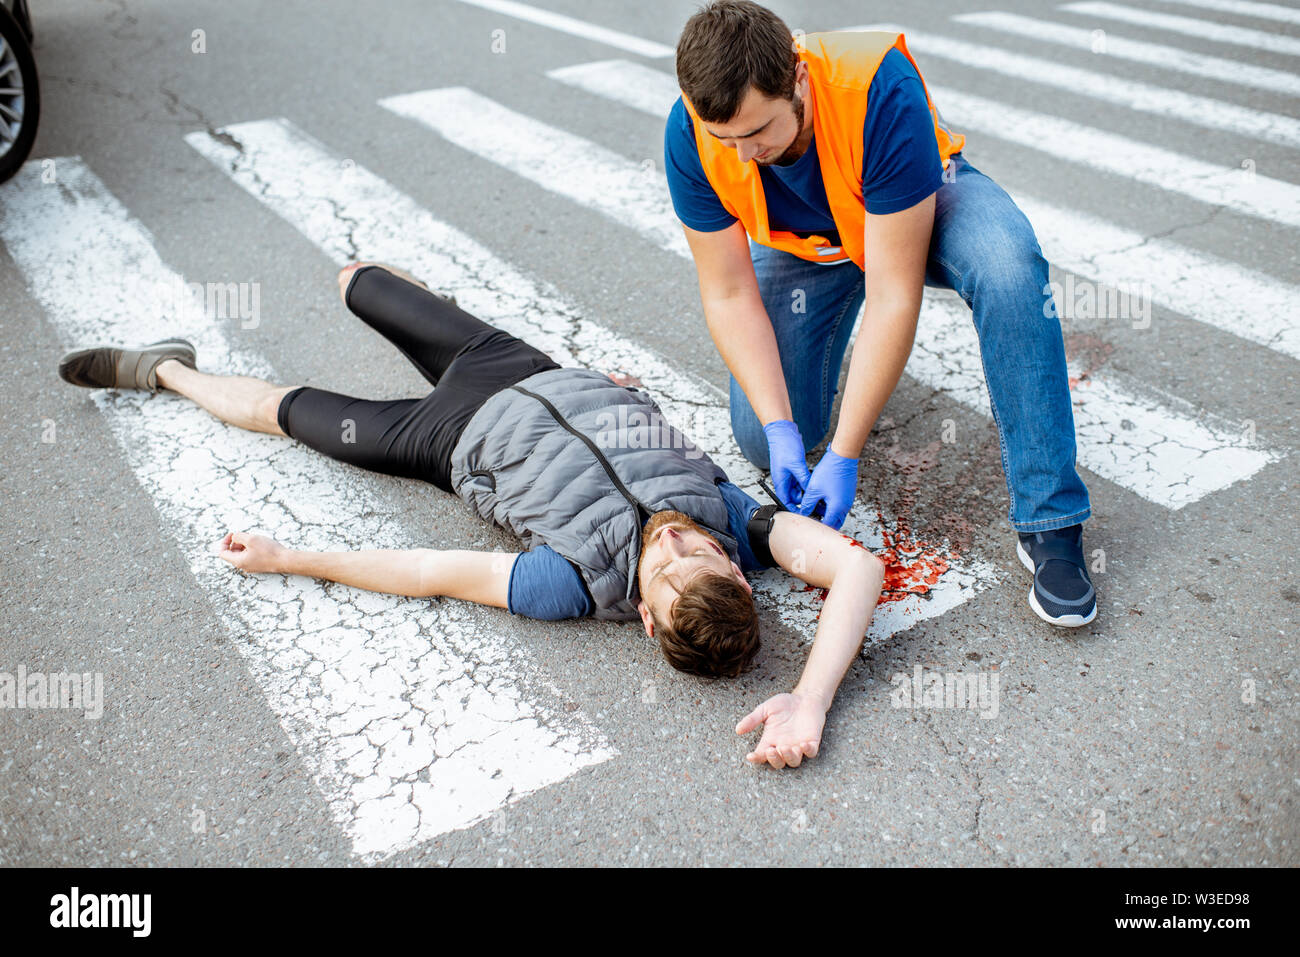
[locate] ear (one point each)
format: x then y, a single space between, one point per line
740 577
646 618
801 80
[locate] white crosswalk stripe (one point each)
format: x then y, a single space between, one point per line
623 191
574 27
1232 298
635 85
1190 26
1151 443
350 214
1240 189
1105 44
1121 91
1244 8
412 719
585 172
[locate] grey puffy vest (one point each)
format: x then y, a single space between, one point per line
568 459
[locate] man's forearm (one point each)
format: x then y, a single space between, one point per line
394 571
879 357
482 577
847 611
743 334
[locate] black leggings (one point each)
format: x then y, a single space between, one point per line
466 360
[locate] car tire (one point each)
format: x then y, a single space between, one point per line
20 108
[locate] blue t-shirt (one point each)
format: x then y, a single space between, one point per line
901 163
544 585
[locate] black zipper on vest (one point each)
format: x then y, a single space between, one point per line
643 513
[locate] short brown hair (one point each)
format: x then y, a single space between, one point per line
726 48
714 629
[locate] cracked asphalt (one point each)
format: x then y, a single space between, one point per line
1163 734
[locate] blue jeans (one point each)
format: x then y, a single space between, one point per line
983 247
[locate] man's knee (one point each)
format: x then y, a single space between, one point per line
754 452
813 425
752 440
812 429
1018 273
749 435
268 406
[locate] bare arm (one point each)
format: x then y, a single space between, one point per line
897 248
820 556
738 320
853 577
482 577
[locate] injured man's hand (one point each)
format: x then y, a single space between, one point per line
252 553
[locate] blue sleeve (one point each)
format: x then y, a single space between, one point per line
544 585
739 509
694 200
901 164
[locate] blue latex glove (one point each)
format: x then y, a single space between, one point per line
832 487
788 461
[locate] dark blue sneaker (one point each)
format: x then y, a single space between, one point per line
1062 594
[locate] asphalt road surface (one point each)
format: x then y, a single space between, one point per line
205 168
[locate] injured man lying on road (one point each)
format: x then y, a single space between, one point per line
623 515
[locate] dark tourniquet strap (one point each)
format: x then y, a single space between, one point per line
759 531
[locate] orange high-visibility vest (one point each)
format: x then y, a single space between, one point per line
840 69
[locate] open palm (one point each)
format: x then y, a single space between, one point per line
792 730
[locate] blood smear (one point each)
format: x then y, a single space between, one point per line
911 567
